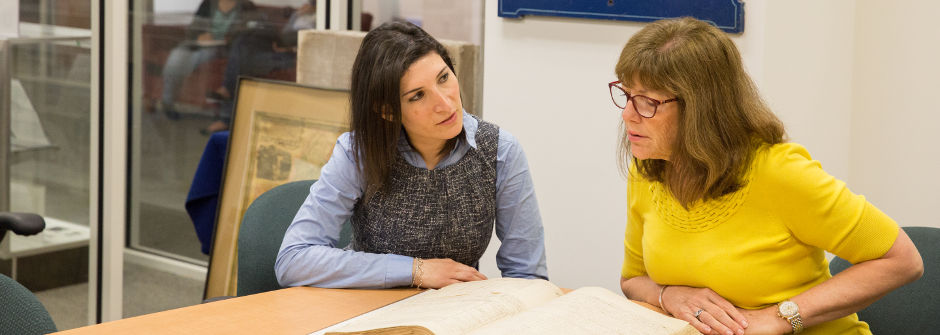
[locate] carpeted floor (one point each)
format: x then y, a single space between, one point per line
170 230
145 291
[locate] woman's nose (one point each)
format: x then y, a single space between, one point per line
443 102
628 114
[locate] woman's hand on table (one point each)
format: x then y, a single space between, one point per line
705 310
440 272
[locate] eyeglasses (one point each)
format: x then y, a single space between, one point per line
643 105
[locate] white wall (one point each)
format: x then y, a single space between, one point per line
452 20
807 79
9 19
190 6
174 6
895 158
545 81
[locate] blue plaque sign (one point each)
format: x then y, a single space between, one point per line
728 15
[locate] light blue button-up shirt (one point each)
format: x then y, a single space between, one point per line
308 255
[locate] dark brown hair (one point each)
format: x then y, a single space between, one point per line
385 54
722 119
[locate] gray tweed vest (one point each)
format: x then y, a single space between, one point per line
442 213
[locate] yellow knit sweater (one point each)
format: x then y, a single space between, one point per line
761 244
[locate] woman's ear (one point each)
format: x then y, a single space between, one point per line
387 113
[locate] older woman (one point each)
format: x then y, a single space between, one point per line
422 182
727 222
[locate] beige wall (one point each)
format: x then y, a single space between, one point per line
453 20
807 62
895 159
9 18
837 72
545 81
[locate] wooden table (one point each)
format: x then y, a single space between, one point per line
296 310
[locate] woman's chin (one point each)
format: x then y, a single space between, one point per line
644 155
639 155
455 130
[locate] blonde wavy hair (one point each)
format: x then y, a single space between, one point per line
722 119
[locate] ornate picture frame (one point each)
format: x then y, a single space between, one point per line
280 132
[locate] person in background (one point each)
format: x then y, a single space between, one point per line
422 182
727 221
258 52
215 24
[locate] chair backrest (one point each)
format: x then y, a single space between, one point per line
915 307
262 230
20 312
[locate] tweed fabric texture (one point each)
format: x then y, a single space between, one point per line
20 311
447 212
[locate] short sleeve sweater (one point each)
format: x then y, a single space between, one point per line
761 244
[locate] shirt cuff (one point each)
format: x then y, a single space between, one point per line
398 271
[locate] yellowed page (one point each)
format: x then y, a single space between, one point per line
589 310
460 308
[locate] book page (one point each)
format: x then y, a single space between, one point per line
590 310
460 308
342 325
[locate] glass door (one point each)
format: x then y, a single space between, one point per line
164 263
167 129
47 152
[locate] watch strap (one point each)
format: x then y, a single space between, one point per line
796 322
790 311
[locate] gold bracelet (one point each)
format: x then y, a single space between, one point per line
414 267
417 273
663 307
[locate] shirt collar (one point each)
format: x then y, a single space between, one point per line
470 125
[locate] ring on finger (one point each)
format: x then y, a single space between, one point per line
697 313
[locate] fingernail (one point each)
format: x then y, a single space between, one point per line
740 331
729 332
745 323
708 329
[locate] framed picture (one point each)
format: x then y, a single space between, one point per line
280 132
727 15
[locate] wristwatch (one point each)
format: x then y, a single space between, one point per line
788 310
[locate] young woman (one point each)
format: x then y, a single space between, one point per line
422 182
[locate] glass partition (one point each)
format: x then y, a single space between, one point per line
185 65
45 76
185 59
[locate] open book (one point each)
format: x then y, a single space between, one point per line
515 306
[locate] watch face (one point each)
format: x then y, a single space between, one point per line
788 308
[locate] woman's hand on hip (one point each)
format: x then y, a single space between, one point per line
440 272
704 309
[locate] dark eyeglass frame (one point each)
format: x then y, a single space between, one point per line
656 103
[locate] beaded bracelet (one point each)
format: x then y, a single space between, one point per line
417 273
